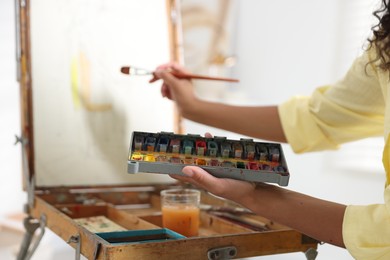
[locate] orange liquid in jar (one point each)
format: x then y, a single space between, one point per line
181 219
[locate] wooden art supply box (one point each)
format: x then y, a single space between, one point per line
77 114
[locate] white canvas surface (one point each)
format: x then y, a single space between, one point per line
84 108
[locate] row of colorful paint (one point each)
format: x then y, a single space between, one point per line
210 147
250 165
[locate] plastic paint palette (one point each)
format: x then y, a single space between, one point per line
244 159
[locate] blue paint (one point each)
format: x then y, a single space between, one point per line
140 236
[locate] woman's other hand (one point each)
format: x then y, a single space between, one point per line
223 187
227 188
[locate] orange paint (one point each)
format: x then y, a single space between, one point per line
181 219
200 161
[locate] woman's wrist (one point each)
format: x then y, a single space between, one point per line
263 197
192 109
246 198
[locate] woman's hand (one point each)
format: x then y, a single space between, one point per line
227 188
179 90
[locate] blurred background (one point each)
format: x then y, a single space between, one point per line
277 49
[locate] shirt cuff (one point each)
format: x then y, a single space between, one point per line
300 127
366 231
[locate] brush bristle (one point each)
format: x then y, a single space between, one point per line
125 70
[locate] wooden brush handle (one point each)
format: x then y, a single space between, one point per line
181 75
194 76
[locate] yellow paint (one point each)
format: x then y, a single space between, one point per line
74 70
137 157
81 85
149 158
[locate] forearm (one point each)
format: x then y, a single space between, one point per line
314 217
259 122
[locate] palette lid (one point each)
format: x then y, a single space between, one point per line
78 109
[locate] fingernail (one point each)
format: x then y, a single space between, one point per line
188 172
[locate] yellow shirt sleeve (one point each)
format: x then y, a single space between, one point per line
366 230
351 109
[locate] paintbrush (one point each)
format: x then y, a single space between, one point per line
141 72
228 209
246 222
